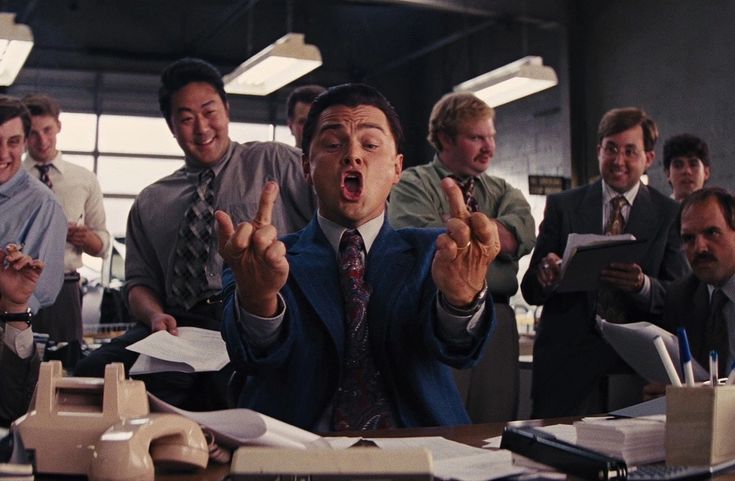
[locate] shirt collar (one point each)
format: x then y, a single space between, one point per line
728 289
333 231
608 193
56 163
195 168
8 188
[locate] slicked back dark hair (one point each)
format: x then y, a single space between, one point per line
351 95
723 198
305 95
685 145
12 107
180 74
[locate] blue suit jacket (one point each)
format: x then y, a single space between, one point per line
296 379
570 357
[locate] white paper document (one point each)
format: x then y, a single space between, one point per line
193 350
450 459
239 427
634 343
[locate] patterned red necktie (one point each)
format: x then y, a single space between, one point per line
43 169
193 244
616 223
361 401
468 192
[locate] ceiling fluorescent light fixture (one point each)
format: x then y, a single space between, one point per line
273 67
16 41
511 82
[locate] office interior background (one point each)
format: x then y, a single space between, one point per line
102 58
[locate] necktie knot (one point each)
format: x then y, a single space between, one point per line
616 223
43 177
467 186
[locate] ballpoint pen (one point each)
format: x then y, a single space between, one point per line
713 368
686 356
658 342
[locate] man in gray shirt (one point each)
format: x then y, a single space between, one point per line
173 271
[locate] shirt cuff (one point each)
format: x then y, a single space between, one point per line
261 332
645 293
458 329
19 341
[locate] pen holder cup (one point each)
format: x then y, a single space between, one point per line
700 422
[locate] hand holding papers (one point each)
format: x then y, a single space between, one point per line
587 254
193 350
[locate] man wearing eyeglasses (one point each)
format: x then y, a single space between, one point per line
571 360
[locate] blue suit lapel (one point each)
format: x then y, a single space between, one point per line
313 267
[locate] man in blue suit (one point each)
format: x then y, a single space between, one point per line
288 323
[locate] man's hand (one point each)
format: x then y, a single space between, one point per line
19 274
255 255
626 277
548 270
76 235
164 322
465 251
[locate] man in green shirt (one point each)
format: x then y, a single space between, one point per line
462 131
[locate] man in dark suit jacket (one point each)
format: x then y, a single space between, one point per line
570 357
708 235
19 362
285 323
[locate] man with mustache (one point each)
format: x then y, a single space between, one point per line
350 324
702 302
571 361
462 132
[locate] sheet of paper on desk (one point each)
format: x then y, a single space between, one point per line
193 350
238 427
634 343
450 459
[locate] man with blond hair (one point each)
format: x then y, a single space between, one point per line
462 131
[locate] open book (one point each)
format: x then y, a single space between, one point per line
634 343
587 254
239 427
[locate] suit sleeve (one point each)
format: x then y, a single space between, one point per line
17 381
549 240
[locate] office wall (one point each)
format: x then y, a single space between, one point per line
674 58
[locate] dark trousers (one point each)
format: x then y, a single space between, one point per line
62 321
204 391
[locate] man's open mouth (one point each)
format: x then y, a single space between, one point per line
351 185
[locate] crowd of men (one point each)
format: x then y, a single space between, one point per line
353 294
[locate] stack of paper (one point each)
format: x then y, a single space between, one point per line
634 440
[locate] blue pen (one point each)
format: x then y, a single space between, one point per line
686 357
713 368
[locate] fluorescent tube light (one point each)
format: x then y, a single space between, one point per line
16 41
273 67
511 82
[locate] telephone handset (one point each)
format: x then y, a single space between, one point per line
128 450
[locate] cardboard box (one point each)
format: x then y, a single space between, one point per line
699 425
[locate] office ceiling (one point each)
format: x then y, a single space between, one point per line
358 39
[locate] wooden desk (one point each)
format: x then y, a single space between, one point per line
473 435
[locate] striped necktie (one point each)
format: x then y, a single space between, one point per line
468 192
43 169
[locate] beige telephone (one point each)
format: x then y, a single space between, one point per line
76 425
